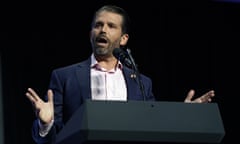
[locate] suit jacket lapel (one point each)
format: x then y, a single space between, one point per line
83 76
132 86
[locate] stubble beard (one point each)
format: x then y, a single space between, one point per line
101 51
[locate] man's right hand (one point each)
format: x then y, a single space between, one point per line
44 110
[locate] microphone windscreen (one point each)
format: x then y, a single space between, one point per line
122 55
117 52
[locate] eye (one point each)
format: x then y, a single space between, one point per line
97 25
111 25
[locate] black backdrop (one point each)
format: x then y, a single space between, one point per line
179 44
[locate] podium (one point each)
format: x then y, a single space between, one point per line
143 121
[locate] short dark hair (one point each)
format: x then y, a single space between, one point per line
117 10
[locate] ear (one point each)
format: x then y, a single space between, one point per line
124 39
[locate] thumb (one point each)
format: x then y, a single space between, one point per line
189 96
50 95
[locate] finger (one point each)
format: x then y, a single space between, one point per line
189 96
29 96
50 96
33 101
209 100
33 94
211 93
207 97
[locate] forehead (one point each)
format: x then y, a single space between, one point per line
106 16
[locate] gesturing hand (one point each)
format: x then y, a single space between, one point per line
44 110
207 97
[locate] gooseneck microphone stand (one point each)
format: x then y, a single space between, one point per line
137 74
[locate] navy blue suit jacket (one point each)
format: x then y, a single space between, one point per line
71 86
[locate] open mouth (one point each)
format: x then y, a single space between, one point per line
101 40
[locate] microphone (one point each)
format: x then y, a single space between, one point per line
125 57
122 55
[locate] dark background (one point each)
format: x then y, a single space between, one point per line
179 44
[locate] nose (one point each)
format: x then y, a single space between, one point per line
104 28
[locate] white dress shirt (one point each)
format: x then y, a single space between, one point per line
107 85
